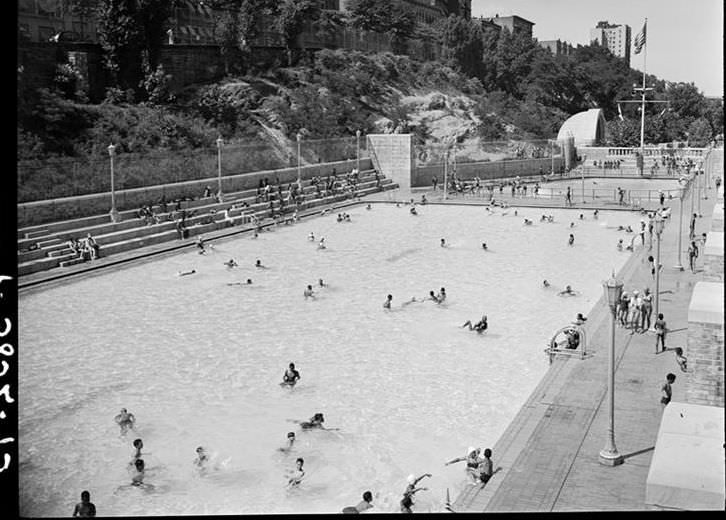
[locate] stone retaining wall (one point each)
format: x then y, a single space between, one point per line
421 176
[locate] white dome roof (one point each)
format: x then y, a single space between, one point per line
588 128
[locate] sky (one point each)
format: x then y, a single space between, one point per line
684 37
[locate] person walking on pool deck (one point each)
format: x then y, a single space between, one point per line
434 181
692 255
692 227
85 508
568 196
660 332
681 359
667 390
411 490
646 310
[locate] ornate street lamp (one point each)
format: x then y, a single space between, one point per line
658 228
299 138
113 213
609 455
219 166
679 265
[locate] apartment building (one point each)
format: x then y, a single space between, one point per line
613 36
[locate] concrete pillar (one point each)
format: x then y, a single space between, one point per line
394 154
713 257
705 345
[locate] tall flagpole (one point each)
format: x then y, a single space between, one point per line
642 107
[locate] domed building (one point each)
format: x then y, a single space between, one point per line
587 128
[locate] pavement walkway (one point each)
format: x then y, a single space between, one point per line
549 453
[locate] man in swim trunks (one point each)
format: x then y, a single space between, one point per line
485 467
85 508
411 490
387 303
471 459
291 376
125 420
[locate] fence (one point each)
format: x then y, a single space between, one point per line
483 151
52 179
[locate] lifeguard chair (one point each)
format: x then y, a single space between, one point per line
568 341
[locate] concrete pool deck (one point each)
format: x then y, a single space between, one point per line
549 452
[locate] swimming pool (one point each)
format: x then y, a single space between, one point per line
198 361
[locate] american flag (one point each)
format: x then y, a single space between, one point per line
639 40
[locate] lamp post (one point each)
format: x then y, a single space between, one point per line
357 150
113 213
219 166
698 192
659 224
679 265
446 185
609 455
299 138
552 157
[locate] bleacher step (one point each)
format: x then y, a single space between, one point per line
72 261
49 242
37 233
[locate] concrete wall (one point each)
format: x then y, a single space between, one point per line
717 218
39 212
488 170
393 154
705 345
713 257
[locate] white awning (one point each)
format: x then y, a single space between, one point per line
687 468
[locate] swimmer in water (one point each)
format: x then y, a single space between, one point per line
480 326
290 442
138 474
484 246
411 490
85 508
321 244
567 292
582 217
295 476
580 319
291 376
259 265
433 297
248 282
316 421
443 243
202 458
363 505
571 240
125 420
387 303
255 235
413 211
545 284
231 263
620 245
527 222
515 212
442 295
595 214
308 293
138 444
321 283
472 461
185 273
311 237
369 206
572 224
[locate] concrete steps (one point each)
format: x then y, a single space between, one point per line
123 237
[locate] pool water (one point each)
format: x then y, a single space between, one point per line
198 361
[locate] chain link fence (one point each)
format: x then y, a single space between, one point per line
68 177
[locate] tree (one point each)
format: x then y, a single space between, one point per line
622 133
84 9
382 16
291 20
700 132
131 33
462 42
